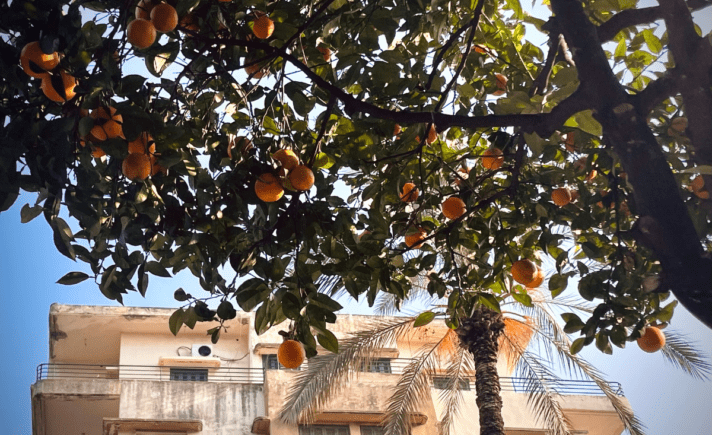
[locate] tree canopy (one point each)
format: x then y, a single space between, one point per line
581 138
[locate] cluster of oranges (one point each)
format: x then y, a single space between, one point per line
141 161
270 187
151 17
38 64
107 125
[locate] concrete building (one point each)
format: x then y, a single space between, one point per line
119 371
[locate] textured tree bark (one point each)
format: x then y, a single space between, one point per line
479 334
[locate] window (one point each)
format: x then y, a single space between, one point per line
322 429
372 430
179 374
377 365
270 362
441 383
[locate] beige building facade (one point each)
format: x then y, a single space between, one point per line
119 371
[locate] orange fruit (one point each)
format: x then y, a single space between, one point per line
136 167
290 354
432 134
155 167
325 52
501 81
97 152
413 237
111 127
287 158
524 272
164 17
140 144
268 188
481 49
561 196
698 188
257 70
188 22
50 92
33 53
652 339
243 143
301 178
454 207
538 279
397 130
569 141
465 171
679 124
143 9
492 158
141 33
263 27
410 192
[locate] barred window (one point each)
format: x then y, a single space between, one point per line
322 429
372 430
180 374
377 365
441 383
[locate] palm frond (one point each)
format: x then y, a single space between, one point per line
517 332
451 397
540 396
683 355
630 421
326 375
411 390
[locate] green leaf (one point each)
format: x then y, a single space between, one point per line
28 213
423 319
72 278
557 284
176 321
328 341
603 344
157 269
577 345
489 301
573 323
226 311
652 41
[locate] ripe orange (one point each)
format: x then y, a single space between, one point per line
561 196
492 158
679 124
325 52
263 27
136 167
301 177
501 81
413 237
33 53
454 207
143 9
524 272
569 141
290 354
141 33
257 70
432 134
481 49
538 278
140 144
652 339
287 158
410 192
164 17
111 127
698 188
97 152
189 22
155 167
268 188
50 92
241 142
397 130
465 171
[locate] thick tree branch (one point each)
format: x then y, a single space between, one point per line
635 17
687 272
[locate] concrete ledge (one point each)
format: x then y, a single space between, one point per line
112 426
355 417
76 387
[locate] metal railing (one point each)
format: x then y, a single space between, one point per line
244 375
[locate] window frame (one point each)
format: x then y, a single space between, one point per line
175 372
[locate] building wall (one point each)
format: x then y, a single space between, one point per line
225 409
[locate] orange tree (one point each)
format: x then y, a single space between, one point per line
614 114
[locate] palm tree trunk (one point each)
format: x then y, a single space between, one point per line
479 334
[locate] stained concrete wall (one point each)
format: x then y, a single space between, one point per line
367 393
225 409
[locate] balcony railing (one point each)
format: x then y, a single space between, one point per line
244 375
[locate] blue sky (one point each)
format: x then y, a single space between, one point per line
665 399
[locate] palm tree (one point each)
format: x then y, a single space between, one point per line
482 339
